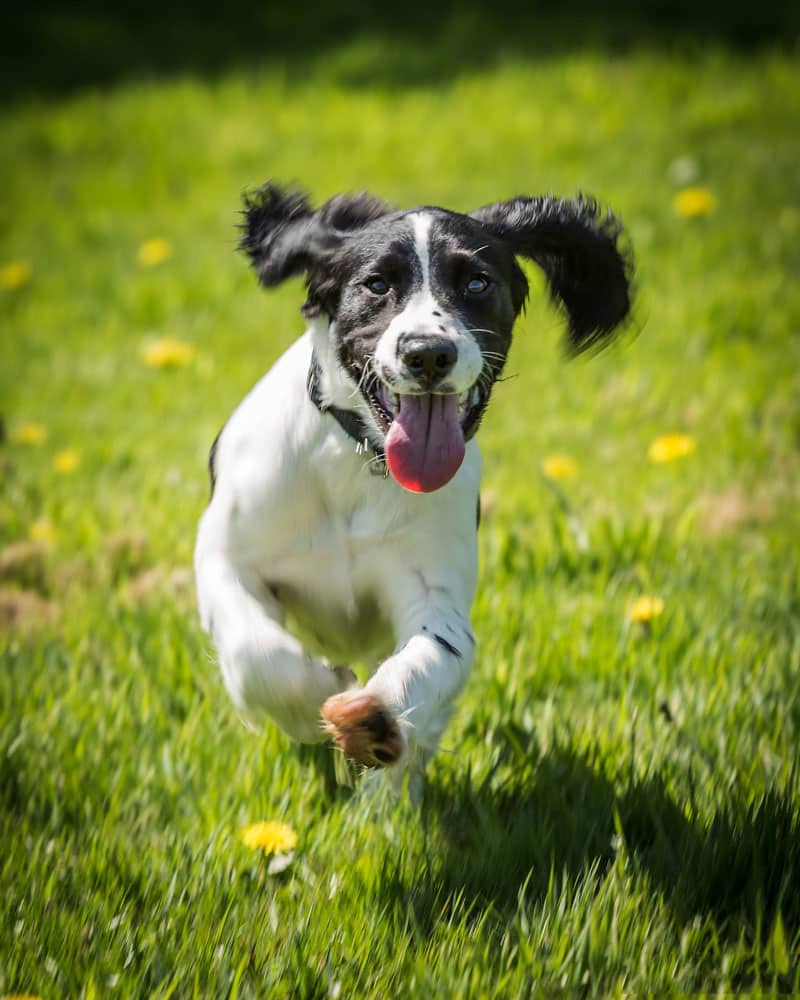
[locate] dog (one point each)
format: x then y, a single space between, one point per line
342 524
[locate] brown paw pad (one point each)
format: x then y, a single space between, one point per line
363 728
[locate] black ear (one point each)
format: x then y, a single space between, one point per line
577 246
284 236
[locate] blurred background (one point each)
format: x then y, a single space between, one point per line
55 48
130 132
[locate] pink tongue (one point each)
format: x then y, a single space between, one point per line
425 445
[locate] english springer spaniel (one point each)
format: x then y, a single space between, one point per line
342 524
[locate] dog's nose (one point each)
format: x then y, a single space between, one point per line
429 358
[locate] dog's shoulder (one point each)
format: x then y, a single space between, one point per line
270 426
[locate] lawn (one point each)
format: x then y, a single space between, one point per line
616 807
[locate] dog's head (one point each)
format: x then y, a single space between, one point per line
422 302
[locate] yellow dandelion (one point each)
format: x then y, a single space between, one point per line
154 252
272 837
42 530
66 461
670 447
34 434
560 467
645 609
167 352
694 202
15 275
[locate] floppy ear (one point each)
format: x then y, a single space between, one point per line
576 244
284 236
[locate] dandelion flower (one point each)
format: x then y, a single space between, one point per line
272 837
154 252
645 609
167 352
670 447
42 530
34 434
66 461
15 275
560 467
694 203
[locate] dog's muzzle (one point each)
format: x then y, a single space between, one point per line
426 432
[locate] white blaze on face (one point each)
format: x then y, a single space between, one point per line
418 317
422 228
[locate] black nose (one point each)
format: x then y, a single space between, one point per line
430 358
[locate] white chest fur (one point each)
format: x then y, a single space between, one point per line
304 550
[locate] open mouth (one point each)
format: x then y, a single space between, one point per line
425 433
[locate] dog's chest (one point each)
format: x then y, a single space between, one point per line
332 580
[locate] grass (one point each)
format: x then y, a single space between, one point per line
616 808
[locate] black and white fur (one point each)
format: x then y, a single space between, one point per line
310 556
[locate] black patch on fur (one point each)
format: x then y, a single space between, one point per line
284 237
378 726
447 645
577 245
212 459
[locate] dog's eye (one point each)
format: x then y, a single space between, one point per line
377 285
477 285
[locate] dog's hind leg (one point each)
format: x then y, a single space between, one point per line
264 667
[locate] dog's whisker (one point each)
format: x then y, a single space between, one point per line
375 463
366 372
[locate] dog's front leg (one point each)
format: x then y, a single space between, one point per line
399 715
265 669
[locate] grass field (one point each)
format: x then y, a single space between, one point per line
616 809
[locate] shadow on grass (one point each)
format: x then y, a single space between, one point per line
563 815
50 47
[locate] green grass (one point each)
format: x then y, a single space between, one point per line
616 808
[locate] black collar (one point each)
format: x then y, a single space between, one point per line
350 422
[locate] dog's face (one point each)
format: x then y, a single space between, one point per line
422 319
422 303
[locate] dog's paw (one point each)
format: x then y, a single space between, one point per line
363 728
